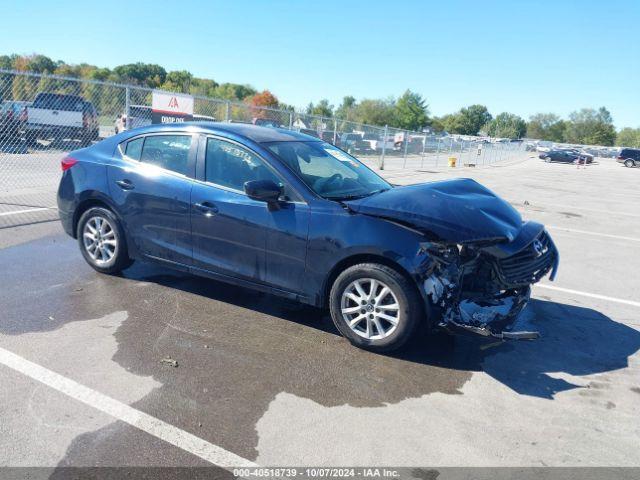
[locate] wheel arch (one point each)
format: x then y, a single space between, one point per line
89 201
356 259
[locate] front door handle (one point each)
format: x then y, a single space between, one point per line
207 208
125 184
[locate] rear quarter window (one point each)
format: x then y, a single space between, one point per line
133 149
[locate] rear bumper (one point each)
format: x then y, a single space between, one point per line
66 218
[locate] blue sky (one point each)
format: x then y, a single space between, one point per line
518 56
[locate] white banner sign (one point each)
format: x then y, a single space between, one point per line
171 107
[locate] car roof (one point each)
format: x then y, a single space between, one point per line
249 131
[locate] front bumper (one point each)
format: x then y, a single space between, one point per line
490 320
483 291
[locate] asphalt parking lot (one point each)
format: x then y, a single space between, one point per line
262 380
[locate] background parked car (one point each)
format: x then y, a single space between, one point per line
139 116
329 135
566 156
13 117
353 143
60 116
309 131
629 156
266 122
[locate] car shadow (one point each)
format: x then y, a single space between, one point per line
575 340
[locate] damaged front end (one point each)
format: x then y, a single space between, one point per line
483 288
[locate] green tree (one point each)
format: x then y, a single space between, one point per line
39 64
234 91
628 137
323 108
178 81
467 121
146 74
375 112
506 125
203 86
473 118
411 112
452 123
591 127
345 110
546 126
437 124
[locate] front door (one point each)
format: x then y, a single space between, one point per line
232 233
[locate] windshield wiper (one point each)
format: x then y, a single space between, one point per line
356 197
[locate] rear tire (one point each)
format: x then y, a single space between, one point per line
367 316
630 163
102 241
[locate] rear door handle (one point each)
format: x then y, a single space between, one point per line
207 208
125 184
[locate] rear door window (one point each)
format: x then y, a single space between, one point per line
170 152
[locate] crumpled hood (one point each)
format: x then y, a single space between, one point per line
457 211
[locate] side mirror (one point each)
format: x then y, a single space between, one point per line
263 190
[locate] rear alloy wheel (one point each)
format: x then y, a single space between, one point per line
102 242
375 307
629 163
547 159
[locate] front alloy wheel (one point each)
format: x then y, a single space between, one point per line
375 307
370 308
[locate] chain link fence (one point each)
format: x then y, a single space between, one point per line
42 117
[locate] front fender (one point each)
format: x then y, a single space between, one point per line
337 237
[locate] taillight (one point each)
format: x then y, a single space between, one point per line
23 115
85 120
67 163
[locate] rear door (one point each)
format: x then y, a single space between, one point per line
151 186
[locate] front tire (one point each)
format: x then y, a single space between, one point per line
375 307
629 163
102 241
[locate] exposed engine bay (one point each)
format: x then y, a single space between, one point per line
476 291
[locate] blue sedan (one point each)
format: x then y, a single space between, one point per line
286 213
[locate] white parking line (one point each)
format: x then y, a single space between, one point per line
16 212
590 295
595 210
585 232
123 412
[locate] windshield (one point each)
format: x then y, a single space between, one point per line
328 171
